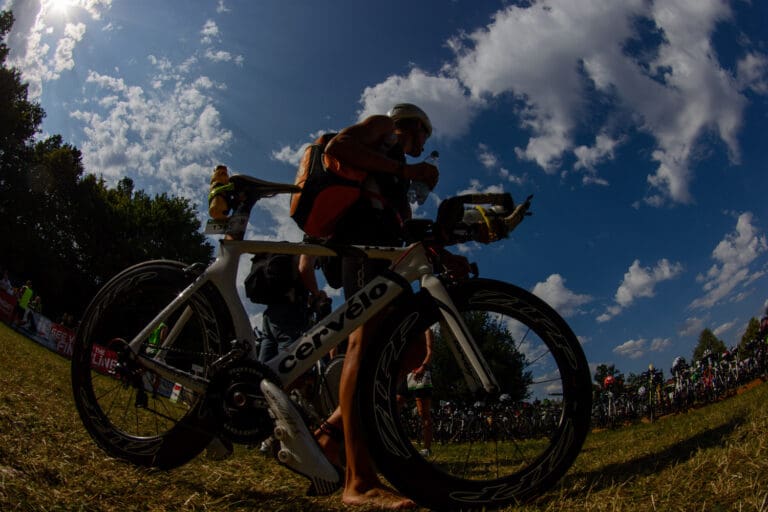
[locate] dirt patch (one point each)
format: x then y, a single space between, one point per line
750 385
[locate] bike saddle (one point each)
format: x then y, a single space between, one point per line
257 188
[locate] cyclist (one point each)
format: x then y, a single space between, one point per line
377 145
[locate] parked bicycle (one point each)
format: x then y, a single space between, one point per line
162 408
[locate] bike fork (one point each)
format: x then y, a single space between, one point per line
473 365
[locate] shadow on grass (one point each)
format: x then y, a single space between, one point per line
619 473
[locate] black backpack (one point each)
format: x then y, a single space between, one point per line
274 279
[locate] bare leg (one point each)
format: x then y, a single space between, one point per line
330 444
425 413
363 486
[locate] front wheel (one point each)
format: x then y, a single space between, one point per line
544 385
131 412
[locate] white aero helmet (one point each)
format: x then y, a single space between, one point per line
411 111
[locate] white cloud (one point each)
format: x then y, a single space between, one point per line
733 257
477 187
221 8
516 179
223 56
546 54
63 59
209 32
487 157
32 38
752 73
693 326
167 137
289 155
721 329
633 349
588 158
210 35
553 292
442 97
660 344
640 282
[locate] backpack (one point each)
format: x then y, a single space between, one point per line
328 190
272 278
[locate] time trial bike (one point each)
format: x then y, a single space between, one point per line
160 405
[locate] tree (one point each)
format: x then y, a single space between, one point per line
750 334
64 229
708 343
498 345
19 121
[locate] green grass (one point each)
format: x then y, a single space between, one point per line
710 459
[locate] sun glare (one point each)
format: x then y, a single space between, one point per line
60 6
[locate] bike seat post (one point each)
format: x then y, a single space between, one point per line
238 221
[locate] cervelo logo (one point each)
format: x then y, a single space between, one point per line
350 311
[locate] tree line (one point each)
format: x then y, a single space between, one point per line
66 229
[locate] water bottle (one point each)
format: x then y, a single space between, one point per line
418 191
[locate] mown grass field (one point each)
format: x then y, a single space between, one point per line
710 459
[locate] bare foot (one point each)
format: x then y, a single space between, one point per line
379 496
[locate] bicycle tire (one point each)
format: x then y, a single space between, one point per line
508 469
138 418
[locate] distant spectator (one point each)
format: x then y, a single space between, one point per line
34 307
24 295
5 283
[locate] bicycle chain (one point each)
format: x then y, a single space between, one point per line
180 351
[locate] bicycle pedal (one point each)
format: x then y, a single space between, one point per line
299 451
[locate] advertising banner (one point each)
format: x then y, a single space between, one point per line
7 303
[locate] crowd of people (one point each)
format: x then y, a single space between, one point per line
28 304
705 380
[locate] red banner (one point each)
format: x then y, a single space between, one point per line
103 359
63 339
7 304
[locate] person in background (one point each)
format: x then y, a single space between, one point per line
5 283
24 296
418 383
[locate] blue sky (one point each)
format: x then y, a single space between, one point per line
638 125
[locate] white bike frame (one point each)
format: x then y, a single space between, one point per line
410 263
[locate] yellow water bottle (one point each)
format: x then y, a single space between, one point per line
217 198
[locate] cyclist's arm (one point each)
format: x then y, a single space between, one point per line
359 146
308 277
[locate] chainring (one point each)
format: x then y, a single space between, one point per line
235 399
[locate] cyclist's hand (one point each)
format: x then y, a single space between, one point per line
422 171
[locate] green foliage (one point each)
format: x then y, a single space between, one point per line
750 334
497 343
64 229
708 342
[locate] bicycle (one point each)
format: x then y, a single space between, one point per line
204 382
